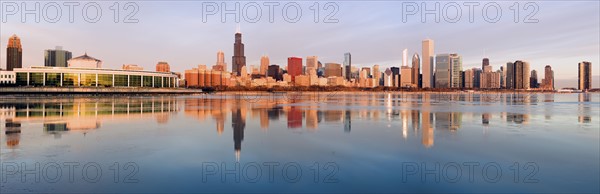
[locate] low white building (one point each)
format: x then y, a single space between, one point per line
7 77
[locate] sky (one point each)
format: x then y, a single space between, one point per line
184 34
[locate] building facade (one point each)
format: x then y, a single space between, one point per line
416 65
57 57
93 77
585 76
294 67
7 77
163 67
348 66
238 60
14 53
427 74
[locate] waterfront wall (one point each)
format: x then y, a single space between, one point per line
94 90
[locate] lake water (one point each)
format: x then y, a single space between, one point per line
302 142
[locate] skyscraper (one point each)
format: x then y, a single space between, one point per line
264 64
220 65
14 53
376 75
405 57
395 76
468 77
443 70
294 67
477 77
548 78
406 77
485 63
427 51
415 70
348 65
311 65
57 57
518 75
585 76
533 79
510 76
238 61
274 72
456 68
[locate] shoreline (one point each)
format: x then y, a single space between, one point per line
57 91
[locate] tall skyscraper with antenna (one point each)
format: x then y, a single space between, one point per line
238 59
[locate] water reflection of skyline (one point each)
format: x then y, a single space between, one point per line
414 115
62 115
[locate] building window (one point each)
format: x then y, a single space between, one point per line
53 79
147 81
135 81
105 80
88 80
70 79
36 79
21 79
157 82
121 81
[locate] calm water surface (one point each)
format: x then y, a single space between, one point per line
311 142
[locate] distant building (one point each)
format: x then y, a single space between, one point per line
163 67
387 78
585 76
468 77
477 77
518 75
548 83
57 57
239 59
416 63
428 54
376 75
406 77
264 64
220 65
447 71
533 79
456 64
275 72
395 76
348 65
312 64
85 61
294 67
333 70
484 63
132 67
14 53
202 77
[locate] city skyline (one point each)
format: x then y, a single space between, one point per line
575 45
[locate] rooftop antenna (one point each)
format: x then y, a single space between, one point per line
237 29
